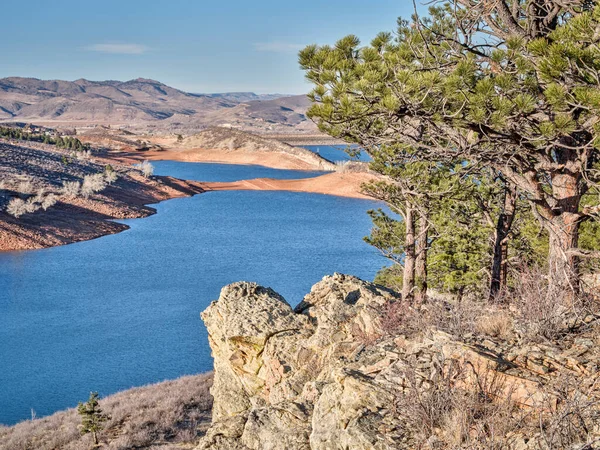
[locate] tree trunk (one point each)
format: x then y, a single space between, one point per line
503 226
408 282
563 270
562 224
421 259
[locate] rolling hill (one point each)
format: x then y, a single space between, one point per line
144 103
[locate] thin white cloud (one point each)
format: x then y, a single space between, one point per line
278 47
118 49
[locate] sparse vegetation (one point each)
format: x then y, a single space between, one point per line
110 175
92 184
70 189
161 416
92 417
478 409
16 207
527 311
146 168
49 201
83 155
26 187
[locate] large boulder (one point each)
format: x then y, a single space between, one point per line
281 375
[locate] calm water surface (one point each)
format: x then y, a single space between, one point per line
123 310
335 152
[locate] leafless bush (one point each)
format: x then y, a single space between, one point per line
461 408
16 207
26 187
146 168
496 323
48 201
541 313
342 166
70 189
568 414
39 197
457 318
400 317
92 183
84 155
31 206
110 176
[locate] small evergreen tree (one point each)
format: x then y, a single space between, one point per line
92 417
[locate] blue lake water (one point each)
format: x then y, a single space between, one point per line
123 310
336 153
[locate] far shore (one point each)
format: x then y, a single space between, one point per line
335 183
342 184
272 160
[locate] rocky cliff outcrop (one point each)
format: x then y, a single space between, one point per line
325 375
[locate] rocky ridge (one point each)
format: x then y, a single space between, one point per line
326 375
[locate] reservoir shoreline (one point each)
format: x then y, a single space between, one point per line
81 219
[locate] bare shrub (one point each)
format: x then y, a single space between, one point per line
48 201
26 187
31 206
92 183
342 166
146 168
71 189
39 197
400 317
568 414
455 317
110 176
84 155
16 207
543 314
459 407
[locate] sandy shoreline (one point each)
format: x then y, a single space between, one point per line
272 160
338 184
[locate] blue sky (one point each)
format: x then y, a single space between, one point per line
195 45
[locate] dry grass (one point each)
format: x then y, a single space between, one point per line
162 415
456 318
528 311
497 323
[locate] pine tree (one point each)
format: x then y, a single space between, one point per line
92 417
508 85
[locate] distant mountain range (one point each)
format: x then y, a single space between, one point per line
240 97
144 103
